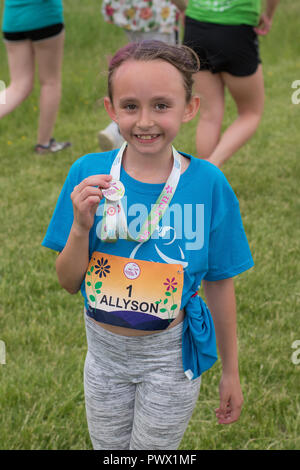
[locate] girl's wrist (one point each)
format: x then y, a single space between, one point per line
230 371
230 367
79 232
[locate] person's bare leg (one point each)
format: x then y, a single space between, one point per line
20 57
49 55
248 94
210 88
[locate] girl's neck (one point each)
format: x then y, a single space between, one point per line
151 169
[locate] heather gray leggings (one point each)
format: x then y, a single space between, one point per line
136 393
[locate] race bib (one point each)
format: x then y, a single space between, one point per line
132 293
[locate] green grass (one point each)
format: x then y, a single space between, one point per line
41 386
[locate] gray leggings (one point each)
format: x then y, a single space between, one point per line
136 393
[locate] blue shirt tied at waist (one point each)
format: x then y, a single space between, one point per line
199 349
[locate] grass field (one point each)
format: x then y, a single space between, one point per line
41 386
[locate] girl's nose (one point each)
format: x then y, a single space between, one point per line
144 120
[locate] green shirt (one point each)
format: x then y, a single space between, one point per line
234 12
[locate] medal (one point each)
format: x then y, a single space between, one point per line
115 192
114 223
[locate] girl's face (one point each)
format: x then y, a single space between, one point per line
149 105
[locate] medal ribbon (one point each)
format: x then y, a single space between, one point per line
114 223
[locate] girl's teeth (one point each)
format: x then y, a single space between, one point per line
146 137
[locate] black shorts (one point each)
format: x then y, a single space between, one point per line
35 34
223 48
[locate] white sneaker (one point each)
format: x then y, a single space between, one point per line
110 138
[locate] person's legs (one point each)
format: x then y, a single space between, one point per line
163 409
210 88
109 404
109 392
20 56
49 55
248 94
165 398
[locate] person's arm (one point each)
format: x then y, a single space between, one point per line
265 21
220 297
181 4
72 262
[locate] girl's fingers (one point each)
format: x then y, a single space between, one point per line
85 209
90 186
228 414
93 202
101 181
86 197
90 191
80 198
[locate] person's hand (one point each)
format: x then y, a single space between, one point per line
231 399
85 198
264 25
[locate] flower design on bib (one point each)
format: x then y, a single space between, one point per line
171 307
171 284
102 268
93 288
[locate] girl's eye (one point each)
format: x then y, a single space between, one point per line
130 107
161 106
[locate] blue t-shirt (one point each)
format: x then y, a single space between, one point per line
201 230
26 15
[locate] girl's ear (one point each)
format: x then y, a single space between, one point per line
110 108
191 108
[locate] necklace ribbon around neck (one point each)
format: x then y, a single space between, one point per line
114 223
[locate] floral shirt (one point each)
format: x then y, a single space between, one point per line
142 15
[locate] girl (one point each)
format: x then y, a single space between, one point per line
224 36
138 229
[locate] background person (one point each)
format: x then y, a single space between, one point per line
224 36
34 34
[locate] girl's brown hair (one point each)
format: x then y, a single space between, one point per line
181 57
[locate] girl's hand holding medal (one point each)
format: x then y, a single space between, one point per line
85 198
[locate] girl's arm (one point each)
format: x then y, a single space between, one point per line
72 262
220 299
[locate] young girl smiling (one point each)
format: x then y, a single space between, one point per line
138 229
